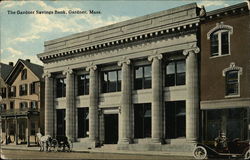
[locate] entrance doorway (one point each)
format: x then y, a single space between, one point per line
60 121
111 128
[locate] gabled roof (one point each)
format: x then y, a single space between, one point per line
35 68
5 70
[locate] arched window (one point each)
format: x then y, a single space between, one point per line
232 80
220 39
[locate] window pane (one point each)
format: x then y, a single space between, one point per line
232 82
138 72
147 82
181 66
119 80
225 43
147 71
180 78
138 78
170 68
86 88
60 87
112 77
214 45
80 82
170 80
104 82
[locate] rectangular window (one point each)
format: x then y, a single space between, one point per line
143 77
12 91
83 84
111 81
23 105
142 115
24 74
3 92
33 104
175 73
12 105
232 83
32 88
3 107
23 89
175 113
60 87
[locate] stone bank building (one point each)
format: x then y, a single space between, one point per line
133 83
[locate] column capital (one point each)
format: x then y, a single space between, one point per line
155 55
193 49
68 71
46 74
124 60
91 66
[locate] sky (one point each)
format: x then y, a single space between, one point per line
23 35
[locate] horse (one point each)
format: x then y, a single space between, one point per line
44 141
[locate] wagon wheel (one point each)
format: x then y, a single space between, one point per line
247 155
54 145
200 152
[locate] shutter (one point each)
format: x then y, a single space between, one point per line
14 91
30 88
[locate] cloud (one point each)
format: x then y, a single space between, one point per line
213 3
10 4
27 38
13 52
42 23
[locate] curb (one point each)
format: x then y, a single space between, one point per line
108 152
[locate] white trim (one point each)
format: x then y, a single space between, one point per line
218 30
233 67
220 26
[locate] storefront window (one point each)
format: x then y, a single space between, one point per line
232 122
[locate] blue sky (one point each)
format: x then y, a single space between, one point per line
23 36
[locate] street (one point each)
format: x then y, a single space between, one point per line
20 154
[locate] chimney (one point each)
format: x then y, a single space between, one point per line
11 63
28 60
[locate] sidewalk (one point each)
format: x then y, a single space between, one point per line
100 150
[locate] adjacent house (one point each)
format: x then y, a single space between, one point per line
225 72
22 103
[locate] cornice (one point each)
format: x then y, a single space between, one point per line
237 9
47 57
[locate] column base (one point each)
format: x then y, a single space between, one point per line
124 141
156 140
192 140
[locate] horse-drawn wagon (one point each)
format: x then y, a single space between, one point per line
59 143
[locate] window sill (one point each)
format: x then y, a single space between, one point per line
232 96
211 57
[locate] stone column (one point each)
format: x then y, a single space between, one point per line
157 118
126 102
192 99
49 106
70 104
93 104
